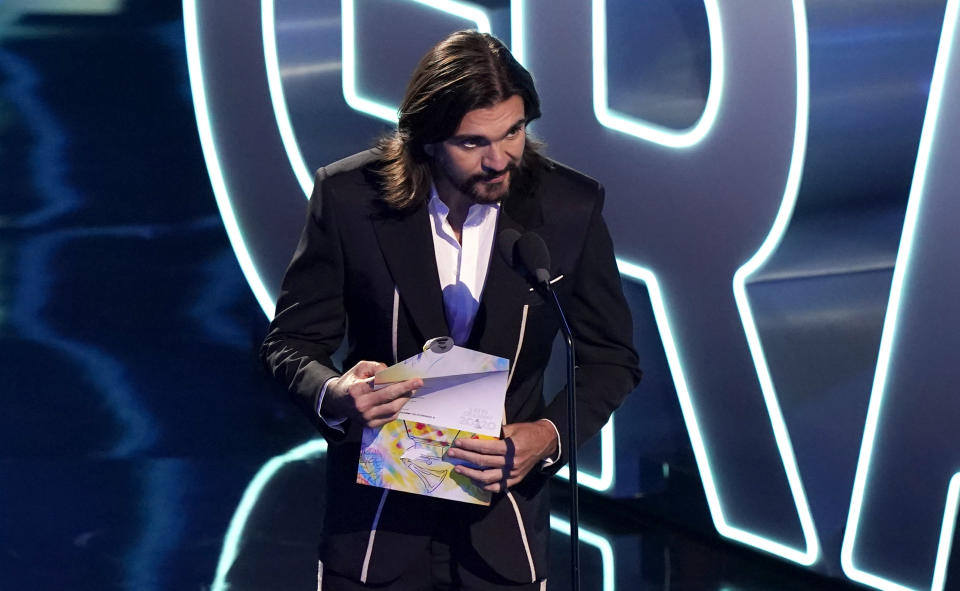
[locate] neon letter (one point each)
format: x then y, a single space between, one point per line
704 208
904 506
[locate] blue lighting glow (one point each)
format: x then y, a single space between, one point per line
58 197
350 93
234 535
28 303
644 129
889 336
209 146
810 554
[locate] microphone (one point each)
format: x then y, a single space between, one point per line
534 256
527 251
506 243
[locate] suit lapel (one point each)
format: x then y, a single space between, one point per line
407 246
497 325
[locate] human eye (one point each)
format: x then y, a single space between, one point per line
472 141
514 131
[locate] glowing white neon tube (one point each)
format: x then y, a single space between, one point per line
644 129
351 94
275 85
889 336
209 146
686 139
749 268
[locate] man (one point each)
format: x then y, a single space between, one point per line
399 248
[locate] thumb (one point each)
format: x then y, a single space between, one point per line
366 369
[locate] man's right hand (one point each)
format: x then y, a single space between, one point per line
352 396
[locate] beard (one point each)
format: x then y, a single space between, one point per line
476 187
479 191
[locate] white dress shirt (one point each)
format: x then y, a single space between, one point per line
462 266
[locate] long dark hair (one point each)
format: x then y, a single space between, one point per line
466 71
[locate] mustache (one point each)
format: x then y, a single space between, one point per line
489 176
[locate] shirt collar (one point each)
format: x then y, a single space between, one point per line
476 214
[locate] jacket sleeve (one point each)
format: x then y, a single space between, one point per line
606 362
308 326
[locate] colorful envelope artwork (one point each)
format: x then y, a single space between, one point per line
462 396
411 457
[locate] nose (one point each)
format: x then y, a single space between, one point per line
495 158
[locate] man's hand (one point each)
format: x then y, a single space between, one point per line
504 463
352 396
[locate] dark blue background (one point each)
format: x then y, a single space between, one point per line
135 412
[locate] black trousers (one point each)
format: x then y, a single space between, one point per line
447 564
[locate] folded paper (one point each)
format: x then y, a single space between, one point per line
462 396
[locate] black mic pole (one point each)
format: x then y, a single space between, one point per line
535 257
572 437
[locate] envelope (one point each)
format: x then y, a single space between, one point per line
462 397
462 388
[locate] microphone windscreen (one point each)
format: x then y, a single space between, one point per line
506 242
533 254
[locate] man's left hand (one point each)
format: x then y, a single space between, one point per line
504 462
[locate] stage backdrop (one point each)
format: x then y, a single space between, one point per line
781 180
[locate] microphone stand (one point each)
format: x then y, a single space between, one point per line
572 437
531 252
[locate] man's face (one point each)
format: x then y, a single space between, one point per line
483 154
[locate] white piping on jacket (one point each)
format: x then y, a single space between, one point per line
373 534
523 537
396 320
383 497
516 356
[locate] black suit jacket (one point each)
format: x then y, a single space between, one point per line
369 273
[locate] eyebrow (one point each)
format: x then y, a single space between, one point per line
459 138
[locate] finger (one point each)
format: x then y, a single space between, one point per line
381 422
367 398
499 486
482 478
477 459
484 446
507 480
394 391
360 388
388 410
